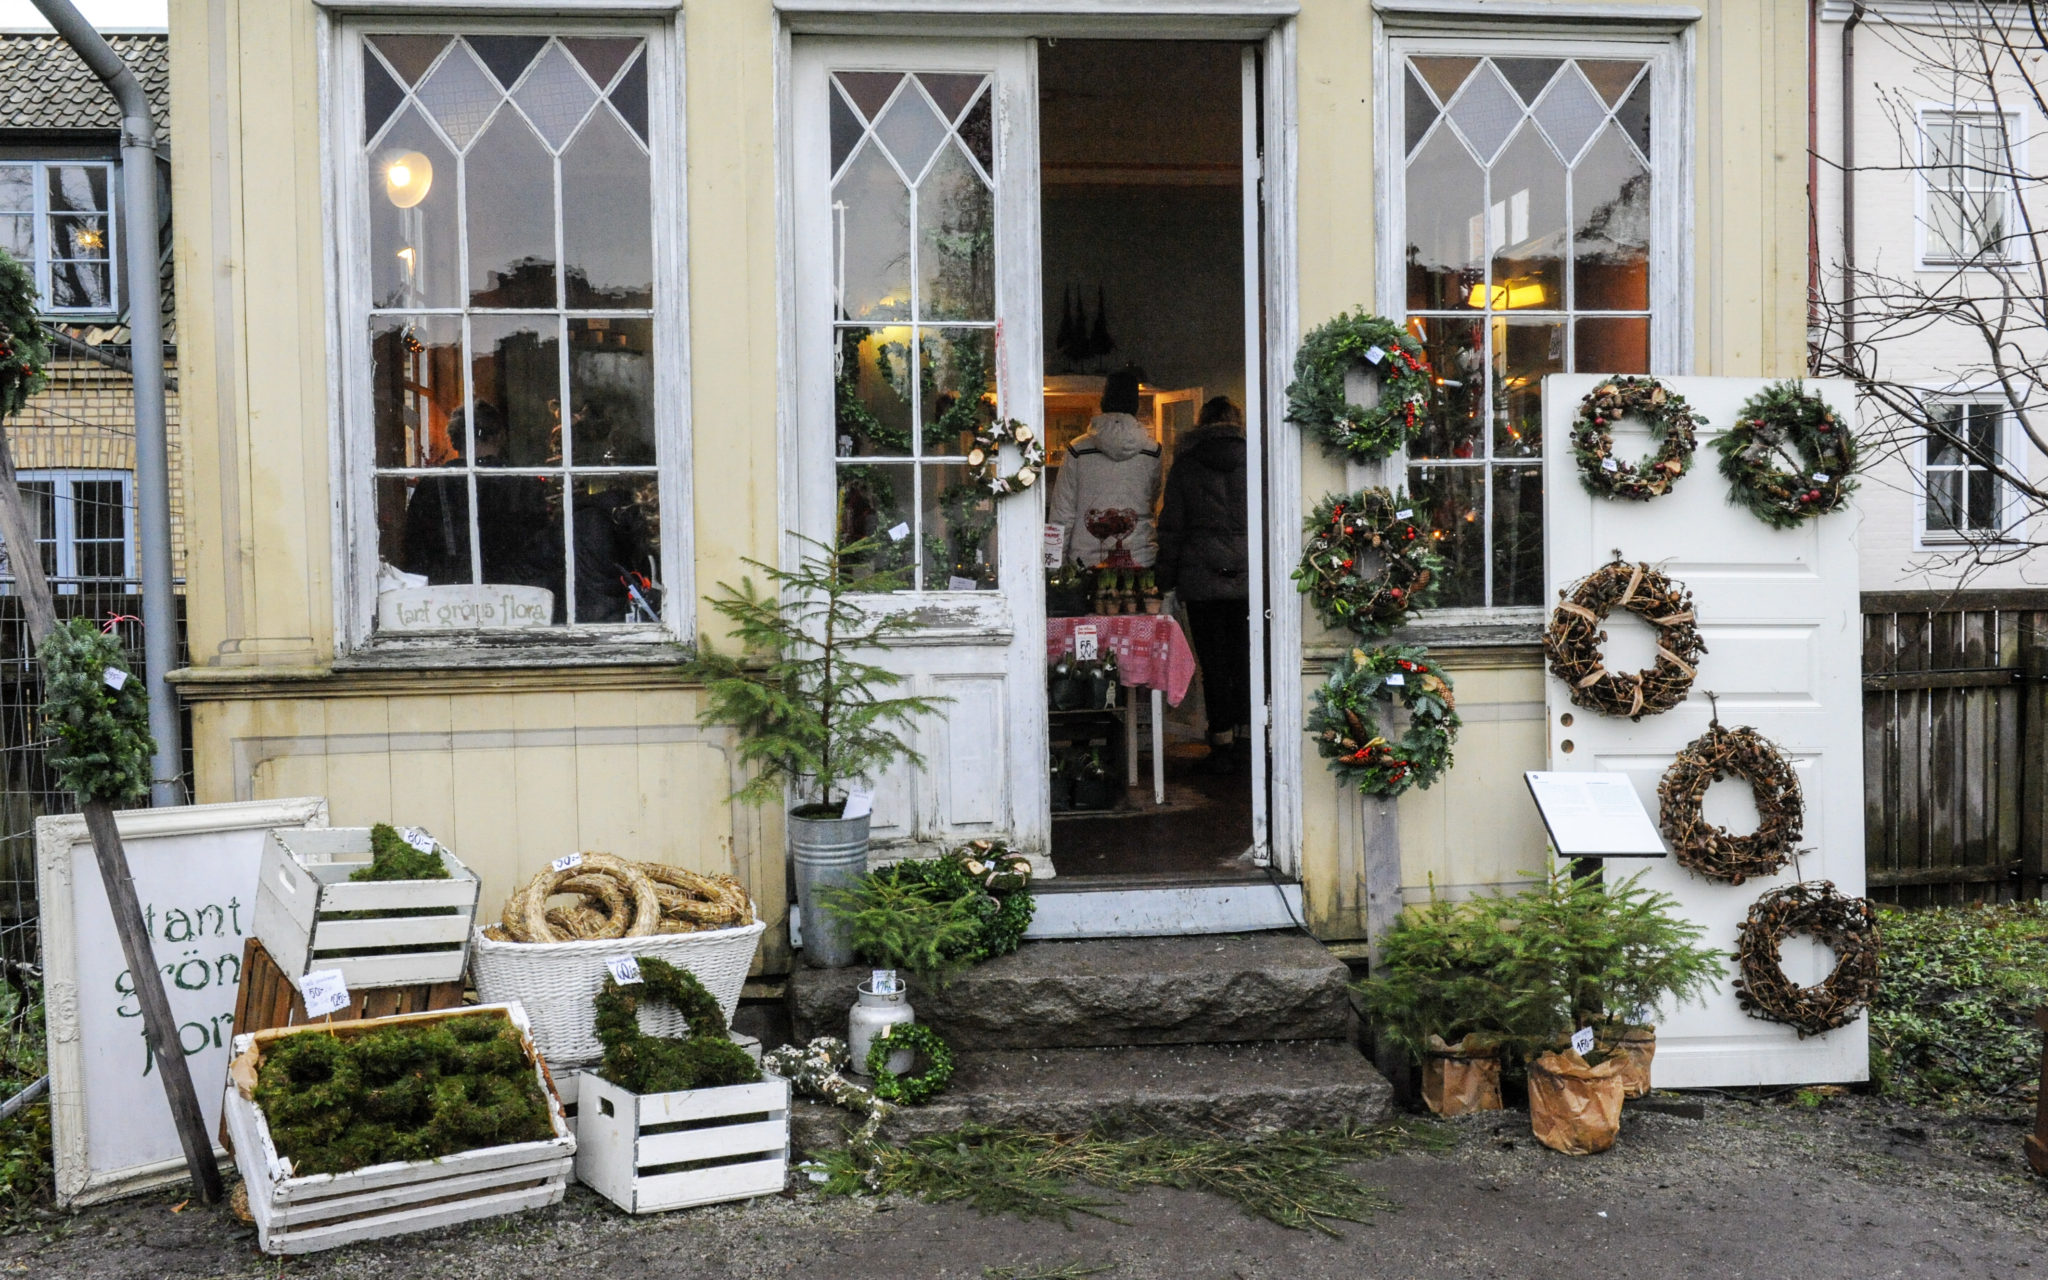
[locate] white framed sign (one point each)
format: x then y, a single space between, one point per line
195 869
1594 815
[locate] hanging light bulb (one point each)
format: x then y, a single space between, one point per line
407 179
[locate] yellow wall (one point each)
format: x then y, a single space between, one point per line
486 757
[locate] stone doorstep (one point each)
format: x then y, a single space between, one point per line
1213 989
1181 1089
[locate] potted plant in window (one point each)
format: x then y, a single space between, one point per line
810 713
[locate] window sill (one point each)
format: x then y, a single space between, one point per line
515 649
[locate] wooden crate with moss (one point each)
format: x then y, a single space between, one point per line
357 1131
365 901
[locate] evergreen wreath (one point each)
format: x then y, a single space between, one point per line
1672 421
1785 423
24 349
1342 536
1347 730
986 454
635 1061
1846 926
1316 401
910 1090
1572 641
1708 849
103 746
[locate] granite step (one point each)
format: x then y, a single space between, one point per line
1204 1089
1213 989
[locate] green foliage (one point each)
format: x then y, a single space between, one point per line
411 1091
103 747
27 1177
706 1058
935 917
810 714
920 1088
1952 1024
1455 969
1316 400
391 858
1345 720
1617 950
1787 458
24 351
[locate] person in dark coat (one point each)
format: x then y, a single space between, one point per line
512 518
1204 558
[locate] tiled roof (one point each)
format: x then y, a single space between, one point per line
44 85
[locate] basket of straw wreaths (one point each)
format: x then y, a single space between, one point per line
550 946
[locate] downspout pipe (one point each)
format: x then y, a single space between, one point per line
145 328
1847 99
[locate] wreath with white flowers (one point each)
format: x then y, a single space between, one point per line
1347 730
1316 399
1786 424
1673 423
986 455
1343 536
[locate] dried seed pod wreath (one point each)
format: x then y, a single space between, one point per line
1844 925
1672 421
910 1090
986 455
1346 726
1785 423
1572 641
1708 849
1316 399
1345 533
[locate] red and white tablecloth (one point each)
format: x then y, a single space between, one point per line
1150 649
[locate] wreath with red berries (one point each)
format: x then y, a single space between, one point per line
1365 563
1789 458
1673 423
24 351
1316 400
1346 725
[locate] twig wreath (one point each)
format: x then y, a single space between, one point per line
986 454
1672 422
1711 850
1344 535
1346 724
1316 400
1572 641
636 1061
1844 925
1786 424
910 1090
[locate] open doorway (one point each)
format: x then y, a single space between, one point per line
1143 237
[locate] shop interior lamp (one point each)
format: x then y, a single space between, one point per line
407 179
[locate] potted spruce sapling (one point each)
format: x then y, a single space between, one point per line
812 717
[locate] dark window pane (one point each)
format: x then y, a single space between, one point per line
78 188
1517 536
975 132
519 530
1455 348
1948 423
1451 502
958 532
1984 423
611 392
424 525
630 96
846 130
381 96
514 366
1634 116
959 388
1524 351
83 286
1610 77
98 510
869 89
1418 109
1613 344
80 236
618 532
1944 500
1528 75
100 559
607 218
416 389
511 208
415 243
879 500
950 91
1983 493
506 56
601 56
410 56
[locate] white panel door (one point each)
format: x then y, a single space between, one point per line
914 226
1780 614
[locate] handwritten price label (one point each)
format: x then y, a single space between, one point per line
1375 355
324 992
1397 679
417 838
1087 643
860 802
625 970
567 862
114 678
1582 1041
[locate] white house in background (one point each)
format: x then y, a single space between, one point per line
1916 211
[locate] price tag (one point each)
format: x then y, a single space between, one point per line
1375 355
882 981
114 678
954 582
1405 513
1821 477
815 1172
1609 464
860 802
625 970
567 861
1582 1041
1087 643
419 839
1397 679
1055 546
324 992
900 532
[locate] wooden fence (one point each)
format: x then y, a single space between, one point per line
1955 745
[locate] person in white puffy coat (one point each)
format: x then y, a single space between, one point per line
1114 465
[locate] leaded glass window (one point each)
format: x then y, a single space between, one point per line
1528 237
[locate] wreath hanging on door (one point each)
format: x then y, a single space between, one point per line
1784 423
1345 720
1709 849
1316 401
1344 534
1572 641
1673 423
986 455
1844 925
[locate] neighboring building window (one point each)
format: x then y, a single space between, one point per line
511 300
57 219
1966 189
82 522
1965 496
1528 233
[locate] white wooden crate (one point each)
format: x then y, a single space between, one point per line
304 892
647 1153
325 1210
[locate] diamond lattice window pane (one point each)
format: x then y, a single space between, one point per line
872 240
410 56
869 89
1486 111
956 229
1528 231
846 130
1446 214
382 95
511 210
1443 75
601 56
1612 78
1528 75
1569 114
1634 116
556 97
1611 241
506 56
460 96
1419 110
912 131
976 133
607 249
629 95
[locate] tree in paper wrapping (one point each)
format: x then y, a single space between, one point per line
103 747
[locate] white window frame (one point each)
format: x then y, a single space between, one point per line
1924 251
2011 505
354 552
40 218
64 482
1667 43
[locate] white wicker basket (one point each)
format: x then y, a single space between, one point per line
557 981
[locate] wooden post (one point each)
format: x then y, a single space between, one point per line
1380 818
2033 800
159 1027
2037 1142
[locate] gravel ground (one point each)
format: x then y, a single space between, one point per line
1771 1191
